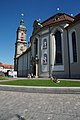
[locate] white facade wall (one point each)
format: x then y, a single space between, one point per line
24 63
2 69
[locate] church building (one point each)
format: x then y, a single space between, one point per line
54 48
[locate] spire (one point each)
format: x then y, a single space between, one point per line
22 21
22 27
22 15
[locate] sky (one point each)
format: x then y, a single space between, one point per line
10 16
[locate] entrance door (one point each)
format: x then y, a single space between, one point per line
34 70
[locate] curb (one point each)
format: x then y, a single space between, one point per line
35 89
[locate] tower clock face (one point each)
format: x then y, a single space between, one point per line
21 36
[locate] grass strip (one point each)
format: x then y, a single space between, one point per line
47 83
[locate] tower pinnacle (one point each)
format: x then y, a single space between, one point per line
58 10
22 15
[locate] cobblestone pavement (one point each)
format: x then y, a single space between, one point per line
38 106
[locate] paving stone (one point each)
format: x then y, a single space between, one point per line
39 106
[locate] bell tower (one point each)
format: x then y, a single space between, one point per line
20 45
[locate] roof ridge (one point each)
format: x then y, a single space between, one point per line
56 15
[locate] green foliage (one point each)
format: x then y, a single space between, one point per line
47 83
2 78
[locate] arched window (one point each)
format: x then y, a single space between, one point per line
58 59
74 47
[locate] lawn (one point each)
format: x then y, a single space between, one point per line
47 83
2 78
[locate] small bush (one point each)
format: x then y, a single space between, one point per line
2 74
